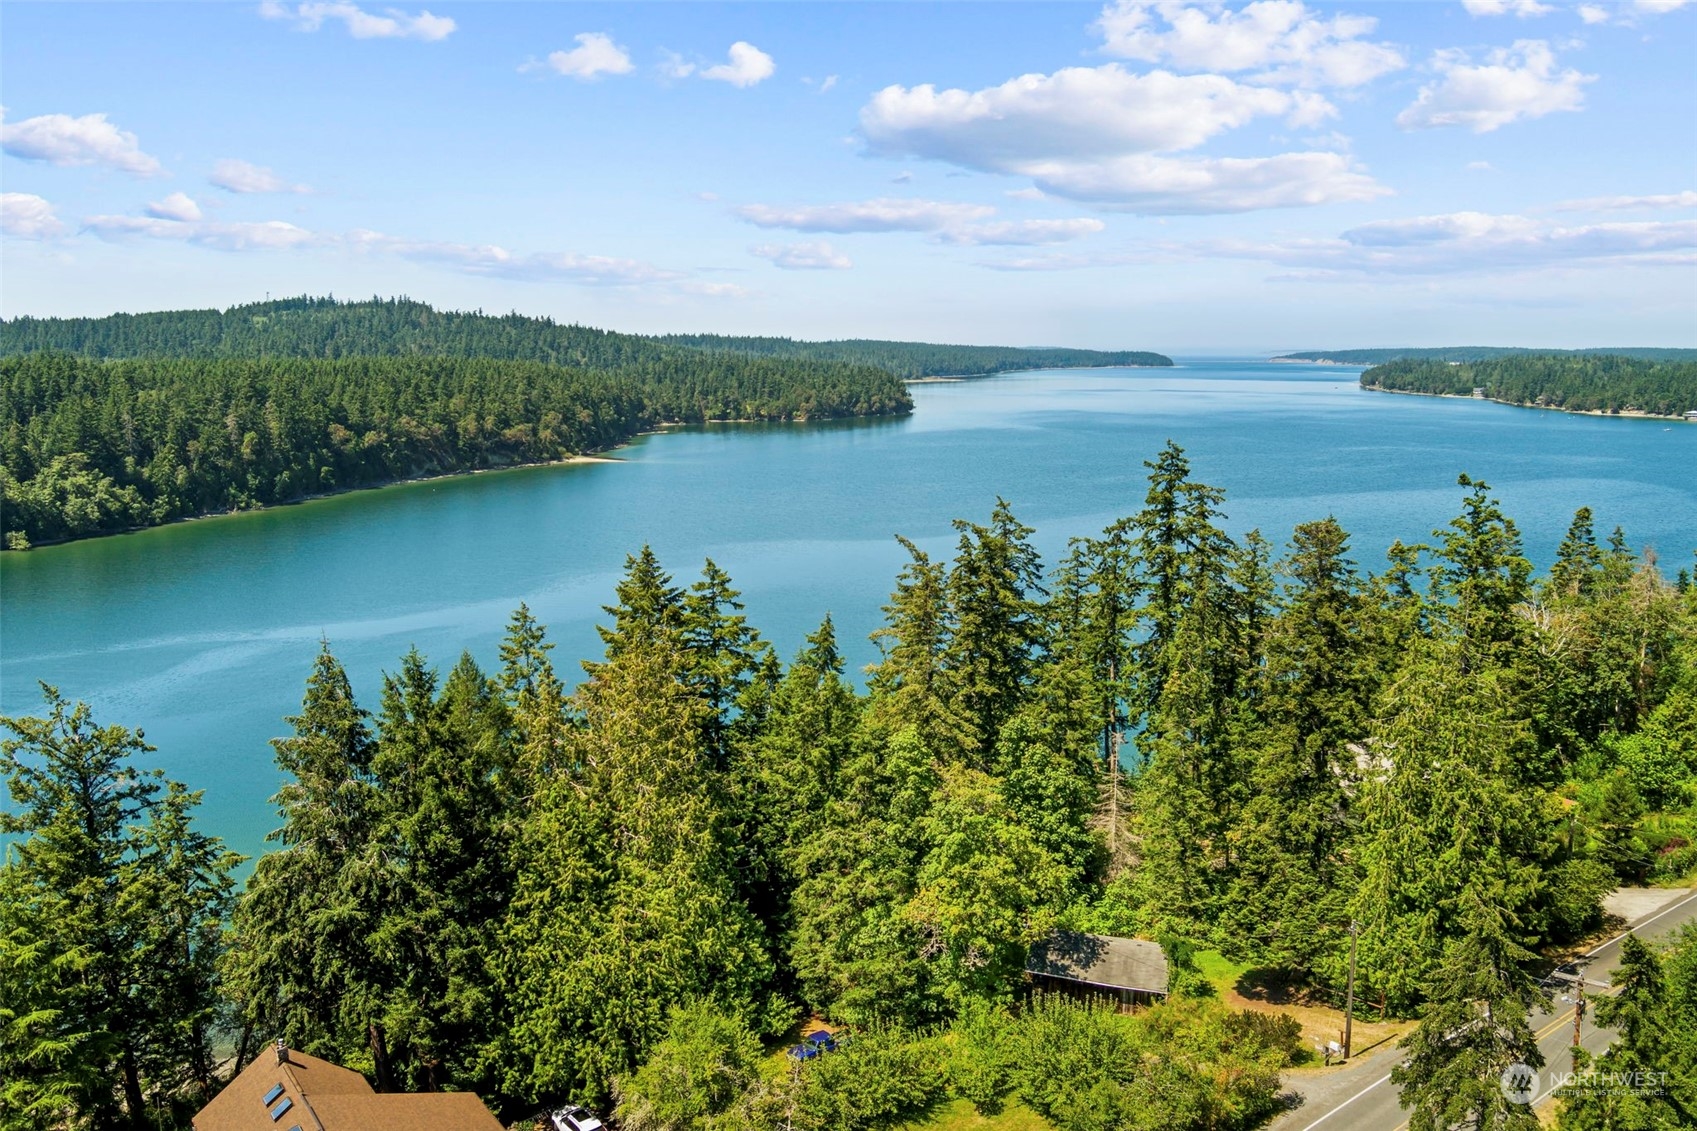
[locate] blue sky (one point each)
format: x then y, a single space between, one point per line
1187 177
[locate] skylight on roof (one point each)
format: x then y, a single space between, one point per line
276 1090
277 1112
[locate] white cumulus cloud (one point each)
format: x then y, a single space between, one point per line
595 54
1077 112
265 235
1282 41
233 175
60 139
1022 233
746 66
25 216
1102 135
946 221
1522 8
1514 83
493 260
177 206
488 260
393 24
1167 186
886 214
1686 199
803 256
1475 242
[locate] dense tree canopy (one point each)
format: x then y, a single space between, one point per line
920 359
89 447
1480 353
625 892
1575 382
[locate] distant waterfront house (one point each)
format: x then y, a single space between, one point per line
291 1091
1131 971
1692 415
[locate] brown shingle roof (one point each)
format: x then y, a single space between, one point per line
1101 960
417 1111
327 1097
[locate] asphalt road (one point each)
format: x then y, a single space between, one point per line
1362 1098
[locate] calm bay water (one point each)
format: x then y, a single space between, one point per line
203 633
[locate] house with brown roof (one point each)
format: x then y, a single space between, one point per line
291 1091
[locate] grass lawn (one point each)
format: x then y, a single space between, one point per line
958 1115
1320 1022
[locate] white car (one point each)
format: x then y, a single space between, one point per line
574 1118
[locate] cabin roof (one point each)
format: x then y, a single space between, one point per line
1101 960
321 1096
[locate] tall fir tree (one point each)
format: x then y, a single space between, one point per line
1476 1025
993 587
114 905
626 902
299 967
1286 908
723 650
912 685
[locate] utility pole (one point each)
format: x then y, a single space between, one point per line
1578 1009
1349 993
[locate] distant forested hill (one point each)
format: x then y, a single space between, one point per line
1575 382
91 446
327 327
1481 353
919 359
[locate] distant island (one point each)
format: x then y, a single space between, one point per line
917 360
135 420
1572 382
1479 353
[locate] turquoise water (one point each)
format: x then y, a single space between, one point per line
203 632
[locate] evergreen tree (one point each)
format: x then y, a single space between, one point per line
1182 555
626 901
1475 1027
300 967
786 774
649 609
911 685
113 914
446 877
1444 815
855 951
993 590
536 700
723 651
1482 574
1287 902
1578 561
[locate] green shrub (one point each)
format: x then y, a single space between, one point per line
981 1057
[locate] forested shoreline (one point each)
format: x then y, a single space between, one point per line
92 446
624 893
329 327
1482 353
913 360
134 420
1572 383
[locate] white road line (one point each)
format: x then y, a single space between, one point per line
1347 1102
1639 926
1590 954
